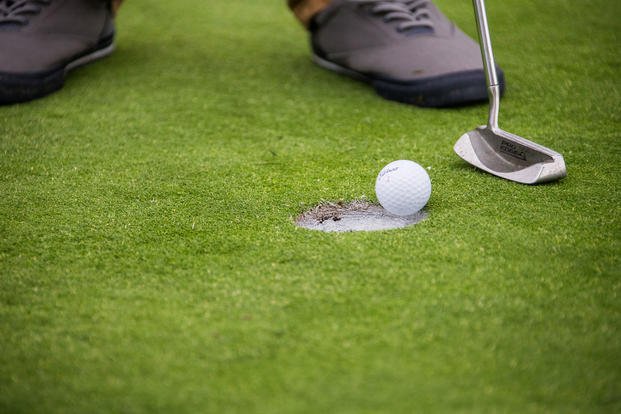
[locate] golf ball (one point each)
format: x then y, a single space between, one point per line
403 187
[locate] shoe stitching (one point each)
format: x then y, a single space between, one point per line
408 14
20 11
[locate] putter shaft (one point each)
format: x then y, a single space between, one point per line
489 63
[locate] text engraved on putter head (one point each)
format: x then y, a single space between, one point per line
510 148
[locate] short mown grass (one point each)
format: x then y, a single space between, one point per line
149 261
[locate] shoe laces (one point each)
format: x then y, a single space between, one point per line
411 15
20 11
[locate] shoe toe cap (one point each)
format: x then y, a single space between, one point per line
418 58
37 53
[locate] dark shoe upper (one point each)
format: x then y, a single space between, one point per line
42 35
406 49
400 40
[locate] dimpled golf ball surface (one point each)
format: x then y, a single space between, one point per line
403 187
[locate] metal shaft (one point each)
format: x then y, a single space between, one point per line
489 63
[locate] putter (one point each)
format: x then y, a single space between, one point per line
499 152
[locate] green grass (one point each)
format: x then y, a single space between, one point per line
149 261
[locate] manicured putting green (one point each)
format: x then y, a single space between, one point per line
149 260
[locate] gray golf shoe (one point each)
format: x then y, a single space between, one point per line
406 49
41 40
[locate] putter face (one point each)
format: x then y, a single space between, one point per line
510 156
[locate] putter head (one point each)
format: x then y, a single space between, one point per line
510 156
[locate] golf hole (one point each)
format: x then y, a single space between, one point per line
356 215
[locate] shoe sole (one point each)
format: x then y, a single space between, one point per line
455 89
16 87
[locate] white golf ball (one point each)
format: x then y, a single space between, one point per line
403 187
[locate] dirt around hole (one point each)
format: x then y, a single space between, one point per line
357 215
